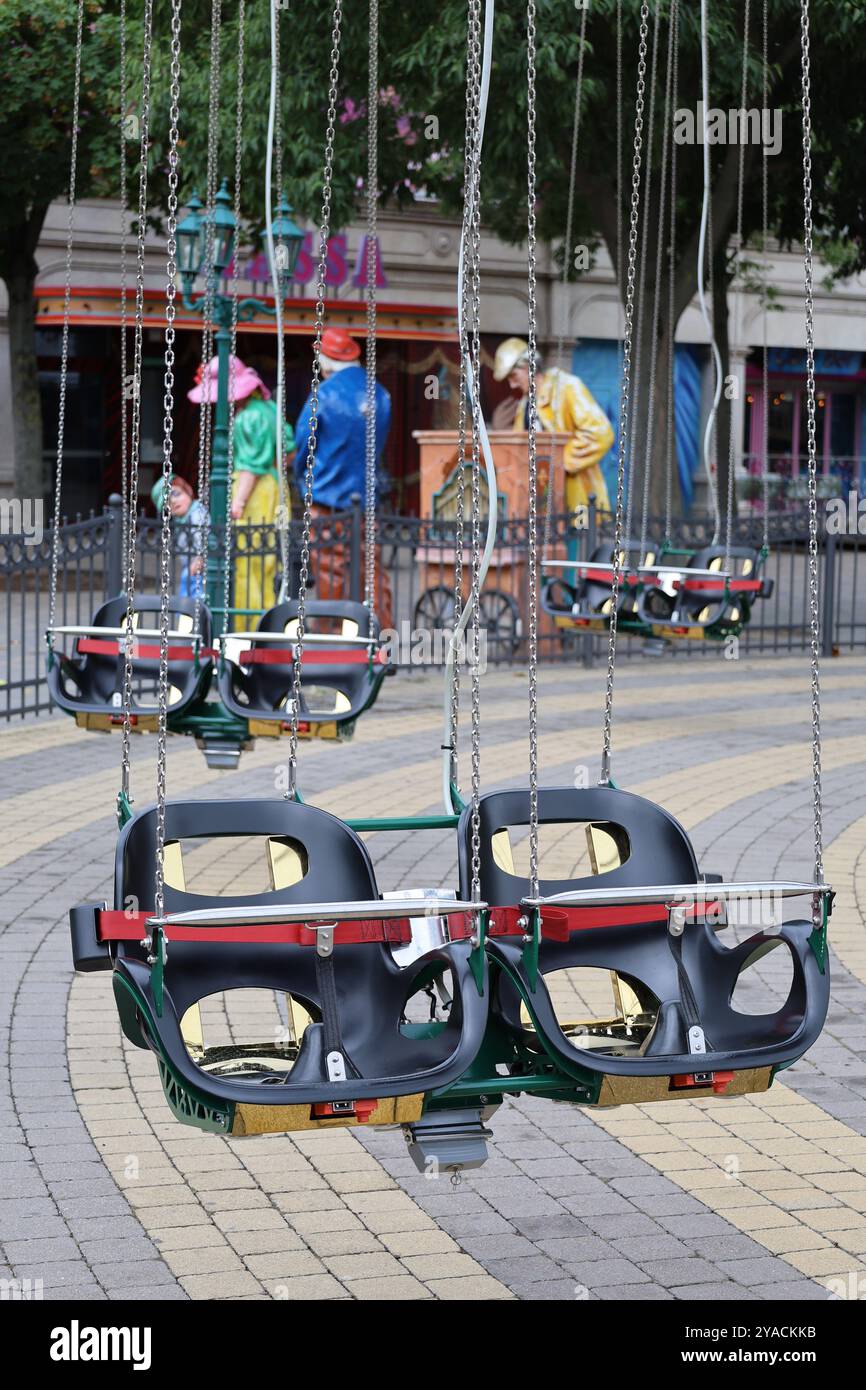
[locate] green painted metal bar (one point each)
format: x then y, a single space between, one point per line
438 822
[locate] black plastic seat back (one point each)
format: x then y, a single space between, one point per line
99 678
262 689
654 848
744 563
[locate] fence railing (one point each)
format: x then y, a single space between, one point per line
418 556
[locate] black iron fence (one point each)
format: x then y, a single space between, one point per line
418 557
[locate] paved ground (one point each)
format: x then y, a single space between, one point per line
103 1195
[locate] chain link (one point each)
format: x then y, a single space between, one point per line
124 240
324 230
167 445
607 729
67 297
372 267
230 463
474 371
137 352
641 290
566 270
670 423
281 260
651 417
814 609
532 442
738 247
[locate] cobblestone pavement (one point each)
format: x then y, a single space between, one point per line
104 1196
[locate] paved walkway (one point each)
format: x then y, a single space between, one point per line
103 1195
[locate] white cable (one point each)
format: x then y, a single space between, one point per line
490 467
275 279
702 246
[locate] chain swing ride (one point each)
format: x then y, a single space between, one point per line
347 959
669 592
264 686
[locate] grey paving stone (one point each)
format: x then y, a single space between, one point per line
693 1226
714 1293
557 1291
634 1225
637 1293
136 1274
597 1273
660 1247
670 1272
38 1251
756 1271
490 1247
529 1269
794 1290
475 1224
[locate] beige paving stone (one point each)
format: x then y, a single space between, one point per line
833 1219
430 1242
478 1287
391 1290
317 1200
290 1264
441 1266
824 1262
229 1285
370 1265
335 1219
324 1243
789 1238
207 1260
309 1288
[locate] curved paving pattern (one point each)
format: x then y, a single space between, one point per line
102 1195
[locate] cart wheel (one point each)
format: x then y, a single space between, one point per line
500 619
434 610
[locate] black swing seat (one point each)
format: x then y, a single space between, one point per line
89 684
581 594
673 981
701 600
342 669
278 941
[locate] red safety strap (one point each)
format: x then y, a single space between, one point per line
558 923
606 576
132 926
361 1110
284 656
101 646
720 1081
734 586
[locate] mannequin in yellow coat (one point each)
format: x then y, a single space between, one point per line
565 406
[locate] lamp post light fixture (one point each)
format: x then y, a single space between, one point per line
211 236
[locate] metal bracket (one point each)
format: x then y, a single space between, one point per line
697 1041
325 941
677 914
336 1065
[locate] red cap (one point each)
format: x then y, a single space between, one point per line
339 345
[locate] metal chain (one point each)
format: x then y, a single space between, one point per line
670 427
532 441
566 268
372 268
814 609
619 149
324 230
765 367
137 356
124 240
641 289
205 439
469 171
607 730
738 246
651 390
475 380
239 128
281 258
167 444
67 297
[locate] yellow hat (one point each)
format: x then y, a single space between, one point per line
510 353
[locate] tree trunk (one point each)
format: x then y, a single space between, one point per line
721 286
18 268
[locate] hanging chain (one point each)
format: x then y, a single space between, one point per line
670 427
239 128
475 383
67 296
651 390
324 230
607 730
814 610
566 269
470 169
372 268
532 440
137 354
765 364
167 444
124 240
205 438
281 259
641 290
738 247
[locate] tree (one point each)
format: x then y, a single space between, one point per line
422 54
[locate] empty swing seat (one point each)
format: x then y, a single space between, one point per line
670 972
321 939
342 669
580 597
715 601
89 683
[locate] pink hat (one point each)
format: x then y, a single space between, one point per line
243 381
